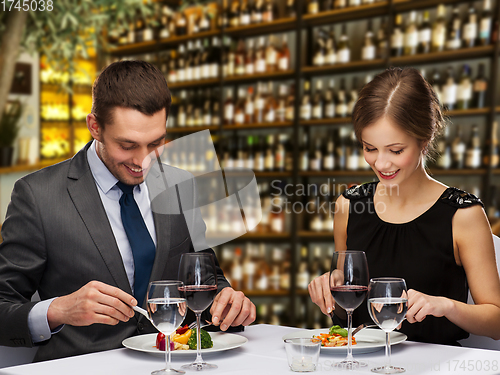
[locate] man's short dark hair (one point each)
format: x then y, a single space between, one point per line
129 84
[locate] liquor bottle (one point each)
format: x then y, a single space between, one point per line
354 3
245 18
236 270
306 107
148 32
304 154
319 49
190 102
326 5
224 15
290 11
444 158
271 56
290 104
230 58
284 55
330 100
182 110
256 13
289 152
172 67
259 103
229 108
353 155
344 48
259 155
239 108
450 90
329 154
240 154
216 109
425 34
470 28
397 37
436 84
215 57
411 35
250 58
313 7
491 153
303 271
480 87
331 48
485 24
315 155
234 14
439 30
249 106
473 153
181 24
382 44
340 4
269 154
317 107
353 96
207 109
204 21
192 27
239 59
458 150
340 150
341 107
131 33
279 153
270 13
205 52
368 50
249 268
197 56
260 57
454 39
139 28
281 103
188 67
270 105
464 91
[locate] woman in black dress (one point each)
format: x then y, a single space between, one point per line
412 226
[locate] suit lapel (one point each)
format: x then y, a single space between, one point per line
83 192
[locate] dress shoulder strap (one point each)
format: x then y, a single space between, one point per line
459 198
361 191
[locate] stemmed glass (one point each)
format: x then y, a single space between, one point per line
197 271
167 309
387 305
349 285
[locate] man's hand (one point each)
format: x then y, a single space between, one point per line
232 308
420 305
95 302
319 291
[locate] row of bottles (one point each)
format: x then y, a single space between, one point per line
419 35
237 13
56 77
462 93
59 111
316 6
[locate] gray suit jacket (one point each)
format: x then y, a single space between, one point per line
57 238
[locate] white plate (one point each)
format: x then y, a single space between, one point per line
222 341
367 340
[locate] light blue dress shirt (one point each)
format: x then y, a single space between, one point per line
110 195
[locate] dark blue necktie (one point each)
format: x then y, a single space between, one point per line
143 247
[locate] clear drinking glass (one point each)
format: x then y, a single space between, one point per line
387 305
197 271
167 310
349 285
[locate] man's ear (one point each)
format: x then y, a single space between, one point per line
94 128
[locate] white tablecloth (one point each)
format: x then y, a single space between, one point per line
265 354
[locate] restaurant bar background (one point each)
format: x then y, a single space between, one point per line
275 82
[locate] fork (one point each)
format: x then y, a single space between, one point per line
202 324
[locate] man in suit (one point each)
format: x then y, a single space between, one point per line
64 236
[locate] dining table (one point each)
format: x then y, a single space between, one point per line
264 353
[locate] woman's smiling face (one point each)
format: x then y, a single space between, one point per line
392 153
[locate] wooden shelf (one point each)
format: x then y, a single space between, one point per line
353 66
134 49
313 236
279 25
468 112
194 84
256 236
30 167
347 14
457 172
337 173
287 74
273 174
265 125
445 56
407 5
266 293
327 121
192 129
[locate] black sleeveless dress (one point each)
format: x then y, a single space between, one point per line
420 251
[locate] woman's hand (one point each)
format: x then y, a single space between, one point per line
420 305
319 290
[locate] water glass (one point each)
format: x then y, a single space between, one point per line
303 353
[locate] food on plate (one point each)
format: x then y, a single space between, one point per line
184 339
336 337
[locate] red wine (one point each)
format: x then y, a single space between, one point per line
199 297
348 296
